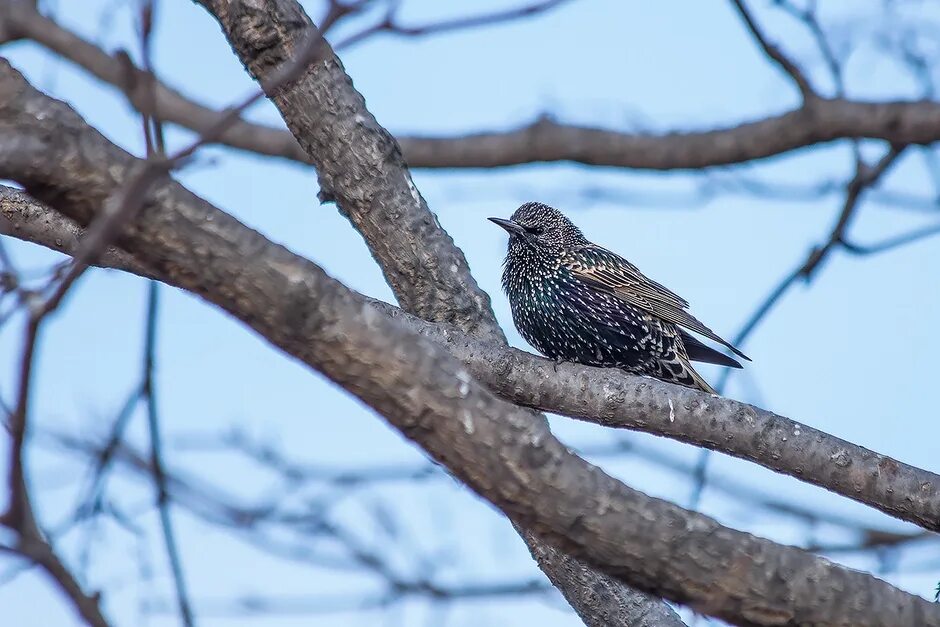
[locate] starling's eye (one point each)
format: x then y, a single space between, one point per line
535 230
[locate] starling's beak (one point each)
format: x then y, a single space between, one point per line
511 227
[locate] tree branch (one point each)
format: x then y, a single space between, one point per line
614 399
389 23
360 167
544 140
789 67
497 449
24 218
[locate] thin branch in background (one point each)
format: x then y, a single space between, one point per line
891 243
336 10
789 67
389 23
865 177
156 457
156 147
306 605
808 16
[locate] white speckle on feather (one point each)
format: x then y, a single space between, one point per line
672 411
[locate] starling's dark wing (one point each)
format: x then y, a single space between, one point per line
610 272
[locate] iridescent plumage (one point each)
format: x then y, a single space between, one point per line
575 301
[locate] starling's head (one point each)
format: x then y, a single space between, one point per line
538 225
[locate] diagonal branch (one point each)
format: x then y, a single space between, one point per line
789 67
497 449
601 396
864 179
361 168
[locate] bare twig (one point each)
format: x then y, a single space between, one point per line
336 10
789 67
891 243
156 456
865 177
809 18
389 23
156 148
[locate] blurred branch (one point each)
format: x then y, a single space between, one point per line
809 19
337 10
544 140
390 25
156 455
865 177
245 520
891 243
156 149
786 64
307 605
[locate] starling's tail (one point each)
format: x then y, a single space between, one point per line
697 351
678 369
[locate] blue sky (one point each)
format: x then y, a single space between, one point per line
851 353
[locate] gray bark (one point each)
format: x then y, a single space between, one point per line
496 448
615 399
360 167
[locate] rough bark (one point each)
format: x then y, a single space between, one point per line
614 399
496 448
23 218
581 588
358 163
360 167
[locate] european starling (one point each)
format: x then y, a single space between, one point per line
575 301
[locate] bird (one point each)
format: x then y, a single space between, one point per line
575 301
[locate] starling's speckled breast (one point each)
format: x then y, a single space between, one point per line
568 321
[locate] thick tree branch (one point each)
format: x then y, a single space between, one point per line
24 218
360 167
429 274
359 164
497 449
545 140
614 399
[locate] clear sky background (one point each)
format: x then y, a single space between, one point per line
852 354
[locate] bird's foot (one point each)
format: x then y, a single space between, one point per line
556 363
